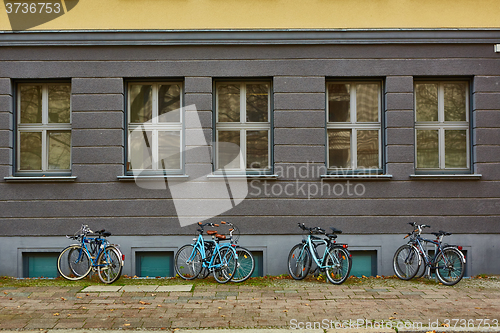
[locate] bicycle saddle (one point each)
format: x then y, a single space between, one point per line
220 236
336 231
441 233
211 232
103 233
331 236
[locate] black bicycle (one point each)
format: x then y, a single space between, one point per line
448 261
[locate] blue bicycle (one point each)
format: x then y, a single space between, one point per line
92 253
221 260
336 260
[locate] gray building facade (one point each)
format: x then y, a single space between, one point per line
300 67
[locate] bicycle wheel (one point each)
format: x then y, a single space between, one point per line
406 262
450 267
421 268
245 265
299 261
109 264
337 265
226 263
73 263
188 262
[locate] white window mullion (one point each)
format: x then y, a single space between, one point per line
354 149
45 151
243 149
154 99
352 103
45 104
440 103
243 104
441 148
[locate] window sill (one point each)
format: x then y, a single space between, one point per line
151 177
356 177
447 177
219 176
21 179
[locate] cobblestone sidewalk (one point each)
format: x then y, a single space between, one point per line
286 304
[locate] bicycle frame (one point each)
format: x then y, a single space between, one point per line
103 243
313 242
200 246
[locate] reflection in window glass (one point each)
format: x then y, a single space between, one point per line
169 150
426 101
141 103
367 149
257 150
140 150
367 102
59 150
31 104
257 97
30 151
169 102
455 101
228 102
339 148
229 154
427 149
59 103
339 102
455 148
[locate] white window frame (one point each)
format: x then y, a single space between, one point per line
441 125
43 128
354 126
243 126
155 126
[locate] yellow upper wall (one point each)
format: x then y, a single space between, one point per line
274 14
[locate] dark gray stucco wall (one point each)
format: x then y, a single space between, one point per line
298 73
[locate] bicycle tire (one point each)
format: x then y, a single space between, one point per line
208 254
245 265
110 266
185 268
299 261
450 267
73 263
421 268
337 273
406 262
226 262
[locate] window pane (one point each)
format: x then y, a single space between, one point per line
228 102
169 150
30 151
59 103
339 148
169 103
367 102
426 95
31 104
367 149
455 101
59 150
339 97
229 154
141 104
257 149
427 149
455 148
257 102
140 152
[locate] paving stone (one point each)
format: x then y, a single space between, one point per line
185 287
99 289
144 288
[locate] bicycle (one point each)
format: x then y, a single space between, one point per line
246 262
336 260
76 261
190 259
448 261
